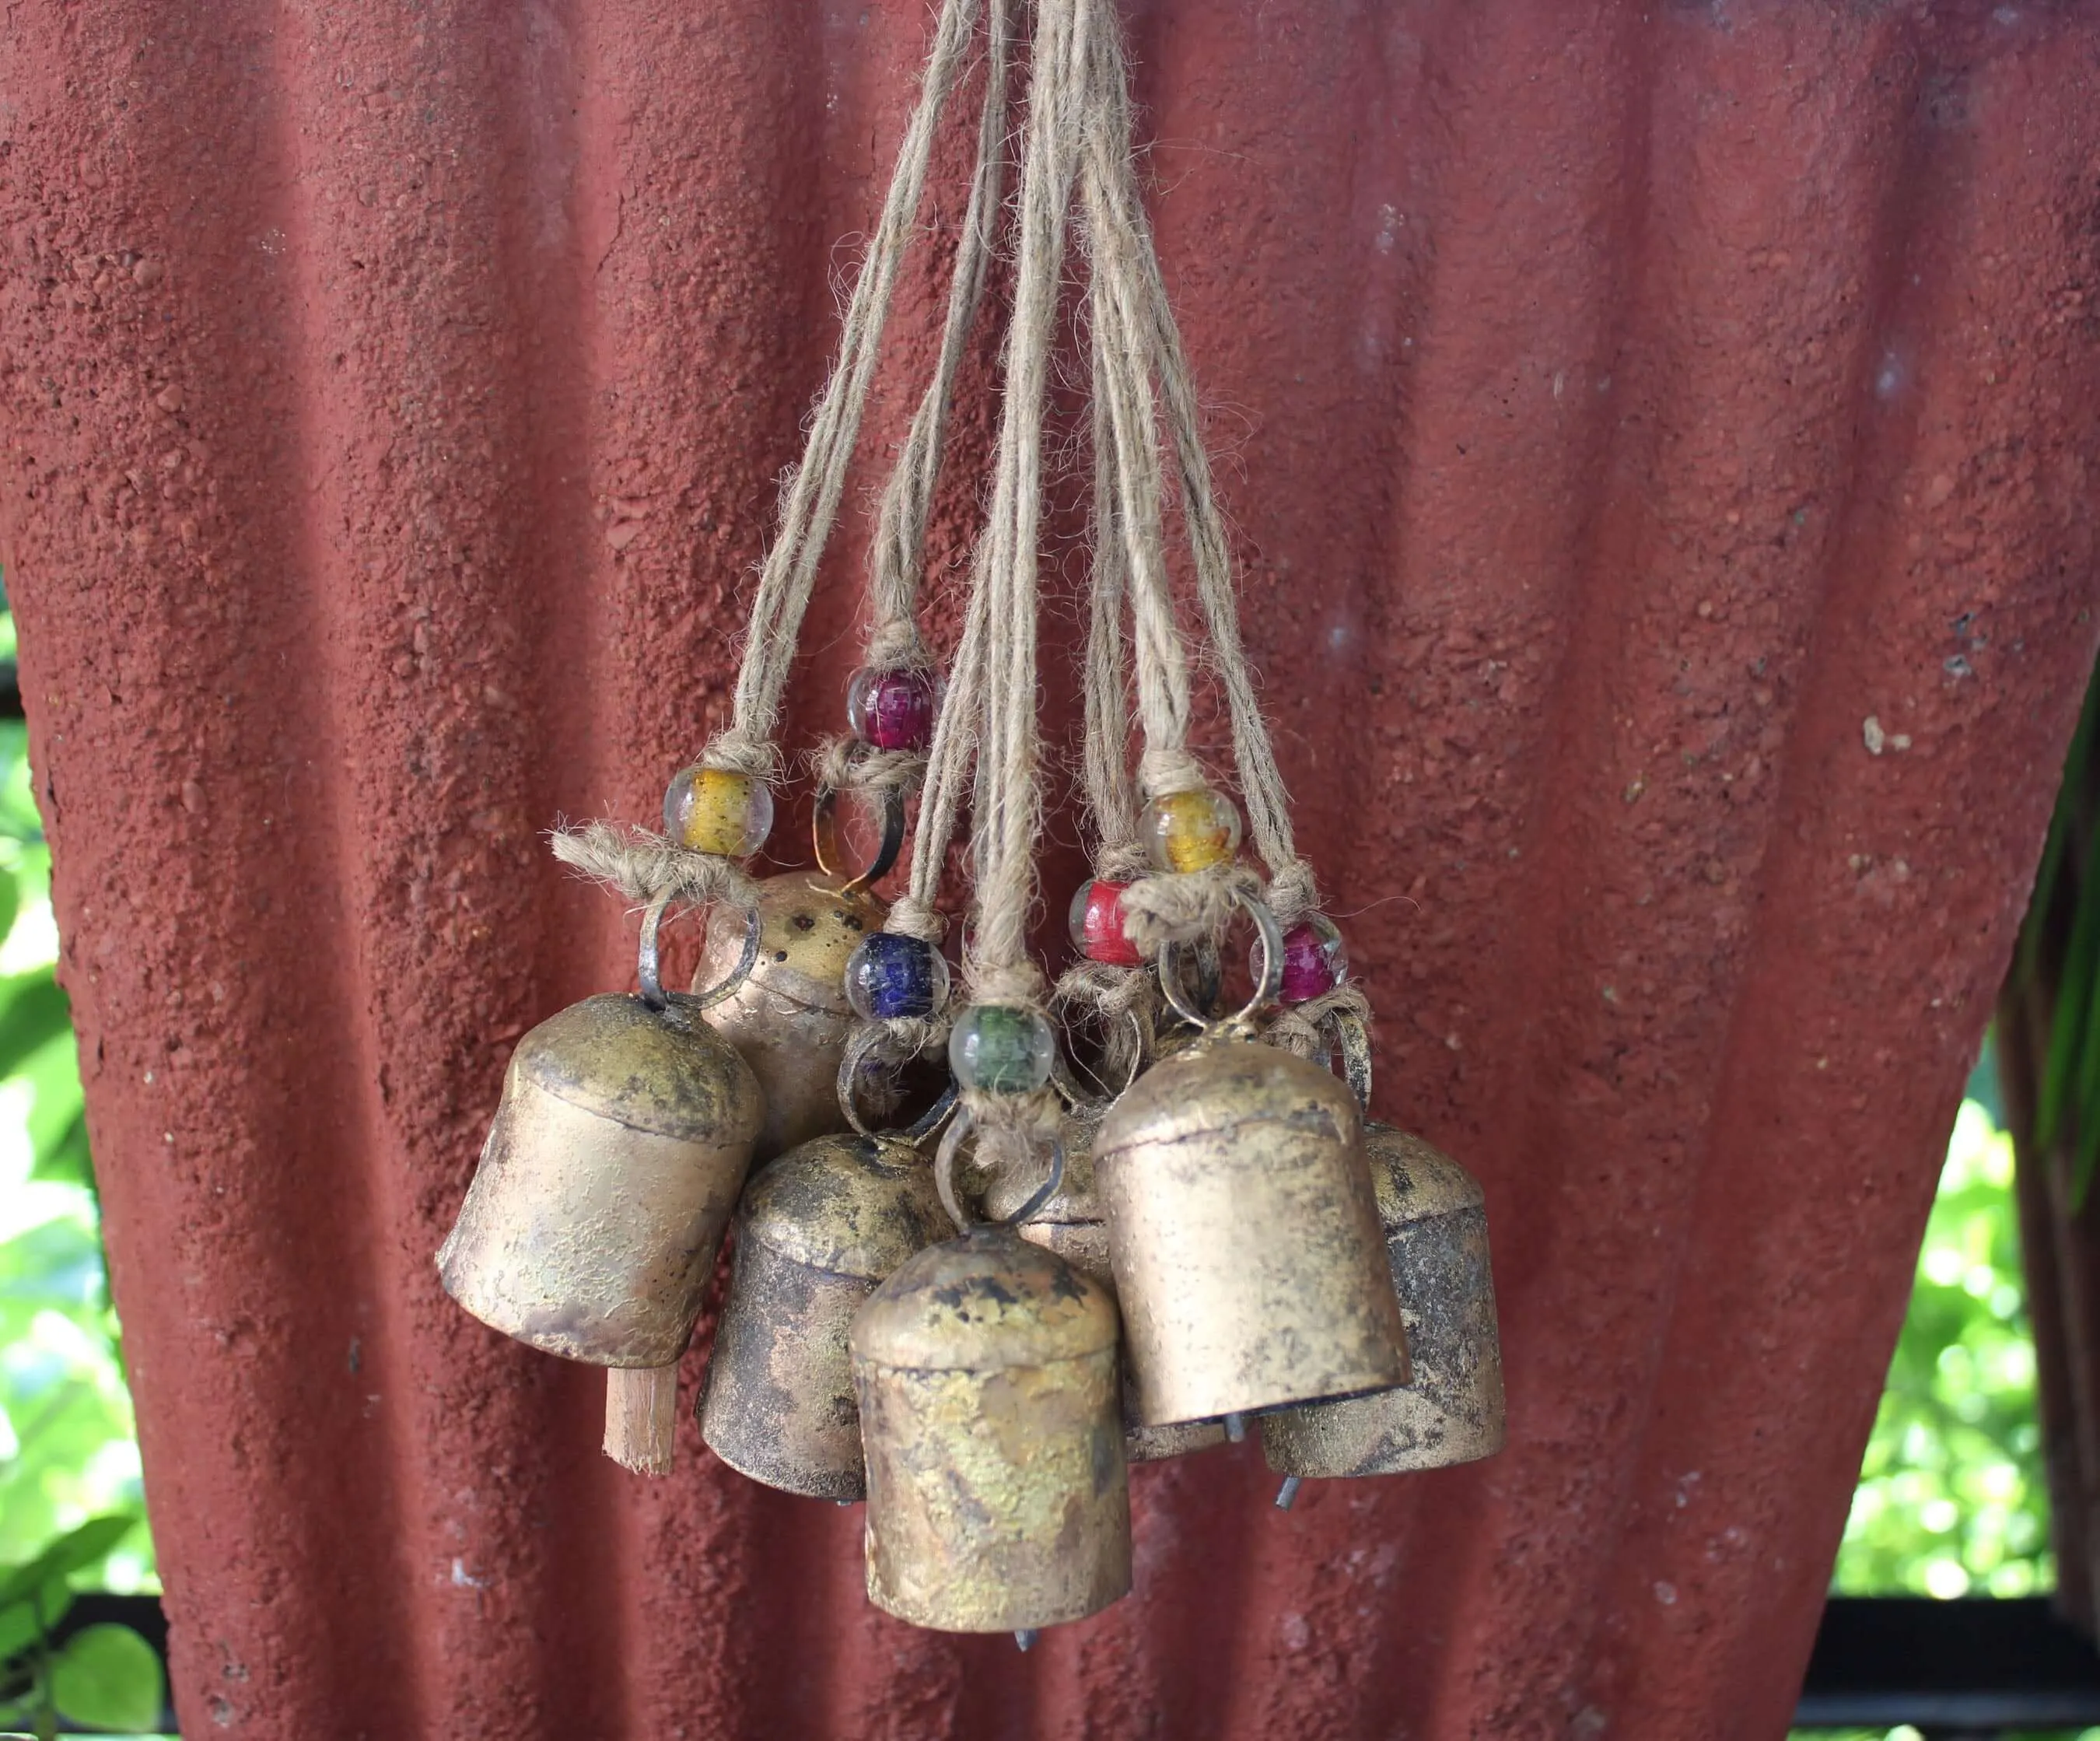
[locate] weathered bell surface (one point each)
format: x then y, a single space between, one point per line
998 1500
790 1018
610 1172
1244 1236
1435 1222
818 1229
1069 1223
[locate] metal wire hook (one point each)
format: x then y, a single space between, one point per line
1267 986
649 967
831 854
944 1179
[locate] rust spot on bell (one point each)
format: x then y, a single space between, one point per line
1435 1222
998 1499
790 1018
1244 1236
819 1229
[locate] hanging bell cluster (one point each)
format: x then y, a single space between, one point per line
980 1351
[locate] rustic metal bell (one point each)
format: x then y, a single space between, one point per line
611 1170
614 1162
1435 1217
789 1017
998 1500
1244 1234
1069 1222
818 1229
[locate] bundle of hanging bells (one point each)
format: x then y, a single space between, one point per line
976 1318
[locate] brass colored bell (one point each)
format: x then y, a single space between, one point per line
615 1160
818 1228
1069 1222
1244 1233
789 1017
997 1496
1435 1226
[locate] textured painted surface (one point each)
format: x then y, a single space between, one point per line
1661 439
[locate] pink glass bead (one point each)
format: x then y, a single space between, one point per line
1097 925
893 709
1315 960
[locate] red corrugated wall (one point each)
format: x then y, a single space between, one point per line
1661 439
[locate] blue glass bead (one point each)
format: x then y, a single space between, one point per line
891 976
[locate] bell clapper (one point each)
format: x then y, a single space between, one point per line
1024 1639
641 1417
1236 1428
1286 1495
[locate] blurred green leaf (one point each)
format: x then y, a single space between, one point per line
19 1627
72 1552
109 1677
34 1012
67 1161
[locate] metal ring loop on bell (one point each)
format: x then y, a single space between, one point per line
1354 1042
858 1050
1067 1084
649 968
830 853
944 1178
1266 987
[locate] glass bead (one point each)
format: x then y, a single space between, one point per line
1315 960
893 709
711 809
891 976
1192 831
999 1049
1098 928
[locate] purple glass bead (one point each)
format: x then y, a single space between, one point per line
893 709
1314 960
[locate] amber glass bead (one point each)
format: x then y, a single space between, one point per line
1315 960
1000 1050
893 709
710 810
1097 925
1192 831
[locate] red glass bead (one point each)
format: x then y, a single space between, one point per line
1097 926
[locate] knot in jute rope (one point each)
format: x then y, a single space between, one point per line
912 917
647 868
1292 892
846 764
1296 1027
1180 908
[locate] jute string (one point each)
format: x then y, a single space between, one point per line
809 504
1129 284
897 558
643 865
1006 807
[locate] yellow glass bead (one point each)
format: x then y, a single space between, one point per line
710 810
1192 831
